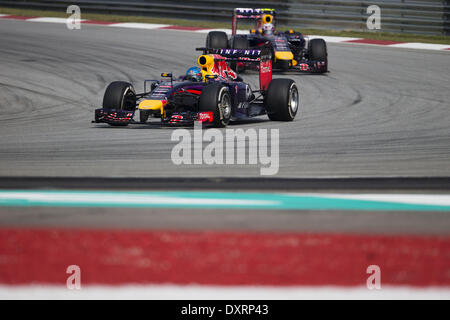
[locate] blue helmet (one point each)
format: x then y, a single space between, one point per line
194 74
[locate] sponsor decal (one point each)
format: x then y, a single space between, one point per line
222 69
265 74
239 52
304 67
205 116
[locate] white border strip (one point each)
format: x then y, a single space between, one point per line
227 31
51 20
417 45
196 292
333 39
133 25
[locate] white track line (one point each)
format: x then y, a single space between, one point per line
228 31
416 45
196 292
133 25
51 20
333 39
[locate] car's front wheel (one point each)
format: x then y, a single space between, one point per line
317 51
143 115
284 65
119 95
216 98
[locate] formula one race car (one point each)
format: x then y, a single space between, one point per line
290 50
211 93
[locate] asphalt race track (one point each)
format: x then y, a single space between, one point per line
364 177
379 112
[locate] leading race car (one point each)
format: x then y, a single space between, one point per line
290 50
211 93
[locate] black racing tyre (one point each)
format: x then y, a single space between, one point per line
143 115
217 40
120 95
283 65
238 43
282 100
216 98
317 51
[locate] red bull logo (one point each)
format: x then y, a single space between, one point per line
222 69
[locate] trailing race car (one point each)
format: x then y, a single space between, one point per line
290 50
211 93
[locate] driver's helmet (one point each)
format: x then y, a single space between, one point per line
194 74
268 29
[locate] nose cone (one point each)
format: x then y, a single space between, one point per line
284 55
151 105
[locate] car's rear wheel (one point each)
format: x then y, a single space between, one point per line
119 95
217 40
216 98
238 43
282 100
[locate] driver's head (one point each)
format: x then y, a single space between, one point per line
194 74
267 29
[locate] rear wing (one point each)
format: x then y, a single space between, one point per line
262 58
250 13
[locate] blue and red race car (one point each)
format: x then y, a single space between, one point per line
214 95
290 50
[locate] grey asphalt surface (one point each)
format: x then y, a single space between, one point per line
367 222
379 112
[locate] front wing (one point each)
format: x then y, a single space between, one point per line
113 116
